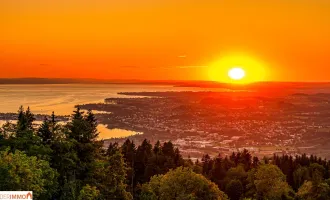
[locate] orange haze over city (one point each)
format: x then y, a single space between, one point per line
274 40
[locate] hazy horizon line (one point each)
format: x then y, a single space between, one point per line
102 80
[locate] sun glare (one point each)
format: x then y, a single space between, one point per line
237 69
236 73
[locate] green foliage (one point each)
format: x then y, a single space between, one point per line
234 190
45 132
72 150
328 181
7 131
311 191
69 163
76 153
305 191
236 173
251 189
143 153
270 183
65 160
181 184
317 188
300 175
89 193
24 121
145 161
223 170
20 172
198 168
317 172
22 137
69 189
83 128
112 149
243 158
109 177
128 150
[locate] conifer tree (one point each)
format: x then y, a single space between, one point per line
77 127
218 173
157 148
53 125
129 151
112 149
29 118
82 134
206 160
24 123
155 164
178 160
66 161
92 133
44 132
300 175
143 154
109 178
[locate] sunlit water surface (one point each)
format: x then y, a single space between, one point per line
61 98
104 131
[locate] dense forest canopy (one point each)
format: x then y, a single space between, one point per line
67 162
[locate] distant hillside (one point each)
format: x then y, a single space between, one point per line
36 81
81 81
177 83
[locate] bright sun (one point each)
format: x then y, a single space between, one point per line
236 73
238 68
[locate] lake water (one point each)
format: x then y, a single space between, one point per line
61 98
104 132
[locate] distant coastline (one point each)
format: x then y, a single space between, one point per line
89 81
174 83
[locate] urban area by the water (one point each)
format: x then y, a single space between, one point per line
287 122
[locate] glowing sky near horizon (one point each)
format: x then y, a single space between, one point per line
164 39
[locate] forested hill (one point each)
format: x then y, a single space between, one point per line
67 162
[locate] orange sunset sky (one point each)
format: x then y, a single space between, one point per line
289 40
